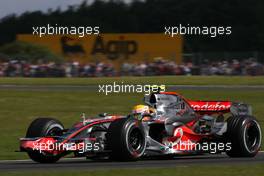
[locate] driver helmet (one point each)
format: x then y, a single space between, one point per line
143 110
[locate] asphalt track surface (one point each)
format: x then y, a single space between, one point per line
83 164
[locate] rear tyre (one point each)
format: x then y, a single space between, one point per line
244 134
42 127
126 139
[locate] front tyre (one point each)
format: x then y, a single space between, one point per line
126 139
42 127
245 135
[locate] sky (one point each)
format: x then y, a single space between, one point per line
8 7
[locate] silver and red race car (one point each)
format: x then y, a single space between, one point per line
165 126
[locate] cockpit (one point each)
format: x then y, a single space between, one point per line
167 105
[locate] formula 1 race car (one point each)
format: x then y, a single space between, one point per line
167 125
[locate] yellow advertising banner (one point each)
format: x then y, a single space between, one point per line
115 48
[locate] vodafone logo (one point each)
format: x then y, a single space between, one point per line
210 106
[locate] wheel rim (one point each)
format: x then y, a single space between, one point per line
252 136
135 139
53 131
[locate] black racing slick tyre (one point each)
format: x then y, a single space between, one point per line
42 127
244 134
126 139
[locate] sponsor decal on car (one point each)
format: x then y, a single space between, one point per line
210 105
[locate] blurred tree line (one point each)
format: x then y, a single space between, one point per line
23 51
114 16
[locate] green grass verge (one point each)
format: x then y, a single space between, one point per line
168 80
19 108
224 170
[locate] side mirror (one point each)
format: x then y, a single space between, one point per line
103 114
